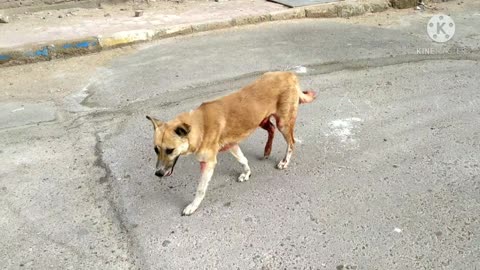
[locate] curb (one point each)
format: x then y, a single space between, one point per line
65 49
58 49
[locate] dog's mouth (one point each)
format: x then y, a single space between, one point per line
170 170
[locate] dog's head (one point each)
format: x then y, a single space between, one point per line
170 141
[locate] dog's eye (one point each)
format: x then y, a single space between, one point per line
156 150
169 151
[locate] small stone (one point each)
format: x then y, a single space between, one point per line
60 16
227 204
166 243
4 18
107 15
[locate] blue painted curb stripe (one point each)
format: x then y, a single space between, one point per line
42 52
45 53
4 57
37 53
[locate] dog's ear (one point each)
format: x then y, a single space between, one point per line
156 123
182 130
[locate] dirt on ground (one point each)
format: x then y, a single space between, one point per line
121 10
46 83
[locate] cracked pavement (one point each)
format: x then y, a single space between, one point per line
386 176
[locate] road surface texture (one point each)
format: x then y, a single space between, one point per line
386 175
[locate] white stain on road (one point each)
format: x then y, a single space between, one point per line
344 129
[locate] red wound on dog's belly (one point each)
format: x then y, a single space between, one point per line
264 121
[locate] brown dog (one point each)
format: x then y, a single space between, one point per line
221 124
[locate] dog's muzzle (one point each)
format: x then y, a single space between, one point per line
162 173
166 172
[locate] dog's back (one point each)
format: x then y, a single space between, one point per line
240 113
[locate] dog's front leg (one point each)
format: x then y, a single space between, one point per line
238 154
206 169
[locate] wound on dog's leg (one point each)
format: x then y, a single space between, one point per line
206 169
270 128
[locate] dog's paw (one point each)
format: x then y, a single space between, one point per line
282 165
190 209
244 177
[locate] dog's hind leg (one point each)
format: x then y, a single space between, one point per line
270 128
238 154
207 169
286 128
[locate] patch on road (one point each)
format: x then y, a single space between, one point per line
20 114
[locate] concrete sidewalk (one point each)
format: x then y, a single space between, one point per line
48 35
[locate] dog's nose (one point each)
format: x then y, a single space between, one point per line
160 173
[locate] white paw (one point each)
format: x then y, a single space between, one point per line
244 177
282 165
189 209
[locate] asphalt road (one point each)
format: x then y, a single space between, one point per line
386 176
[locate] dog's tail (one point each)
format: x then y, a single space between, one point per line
306 96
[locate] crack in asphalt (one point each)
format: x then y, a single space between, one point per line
99 161
118 216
